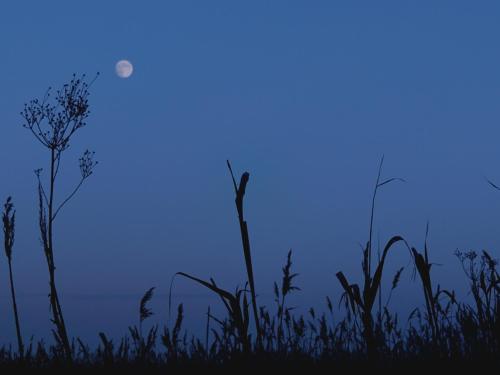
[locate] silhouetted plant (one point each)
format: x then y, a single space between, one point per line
484 281
144 311
236 306
245 239
9 226
144 345
280 295
171 339
362 304
53 121
432 304
106 352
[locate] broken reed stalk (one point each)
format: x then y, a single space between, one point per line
245 239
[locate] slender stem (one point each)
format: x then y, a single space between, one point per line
207 333
280 325
68 198
54 298
372 216
16 315
51 200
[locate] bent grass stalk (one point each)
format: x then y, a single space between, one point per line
361 303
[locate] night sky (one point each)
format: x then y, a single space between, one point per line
304 95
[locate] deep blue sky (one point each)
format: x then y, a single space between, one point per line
306 96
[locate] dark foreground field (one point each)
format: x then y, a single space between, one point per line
268 364
447 335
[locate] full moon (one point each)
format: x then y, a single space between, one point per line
124 68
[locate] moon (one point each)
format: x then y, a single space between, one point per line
124 68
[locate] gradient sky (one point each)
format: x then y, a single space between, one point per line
305 95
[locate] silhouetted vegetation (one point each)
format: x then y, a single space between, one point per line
9 227
53 121
446 331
